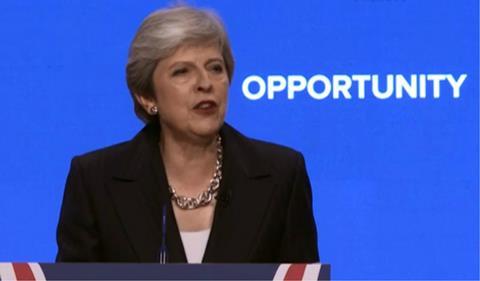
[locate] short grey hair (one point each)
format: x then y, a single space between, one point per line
160 35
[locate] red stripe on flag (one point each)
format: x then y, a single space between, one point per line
23 271
295 272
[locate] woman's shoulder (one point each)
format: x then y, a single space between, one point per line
275 151
255 152
102 152
261 146
118 155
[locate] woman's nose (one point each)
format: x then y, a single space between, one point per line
204 84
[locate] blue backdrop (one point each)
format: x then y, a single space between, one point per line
395 180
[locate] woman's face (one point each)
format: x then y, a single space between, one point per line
191 91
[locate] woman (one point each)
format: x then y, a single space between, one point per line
188 187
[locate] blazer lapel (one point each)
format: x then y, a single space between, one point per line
139 190
243 198
175 250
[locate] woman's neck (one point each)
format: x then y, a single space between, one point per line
189 164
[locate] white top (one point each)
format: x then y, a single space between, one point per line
194 243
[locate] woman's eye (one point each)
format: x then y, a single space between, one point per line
218 68
179 71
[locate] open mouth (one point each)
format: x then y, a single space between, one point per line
207 106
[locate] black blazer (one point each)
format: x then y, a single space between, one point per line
112 205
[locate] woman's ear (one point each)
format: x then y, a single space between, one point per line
149 105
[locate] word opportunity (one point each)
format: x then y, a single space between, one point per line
356 86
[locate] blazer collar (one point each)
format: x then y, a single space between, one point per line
139 152
145 144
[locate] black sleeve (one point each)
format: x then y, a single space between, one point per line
299 243
77 237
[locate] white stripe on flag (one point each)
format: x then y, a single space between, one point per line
281 272
312 271
37 271
6 272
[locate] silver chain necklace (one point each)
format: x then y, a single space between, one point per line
204 198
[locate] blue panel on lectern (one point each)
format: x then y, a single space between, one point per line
381 97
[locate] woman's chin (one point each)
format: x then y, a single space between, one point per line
206 129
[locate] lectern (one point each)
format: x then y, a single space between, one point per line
153 271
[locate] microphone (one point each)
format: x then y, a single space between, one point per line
223 198
162 256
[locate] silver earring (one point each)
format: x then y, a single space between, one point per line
153 110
